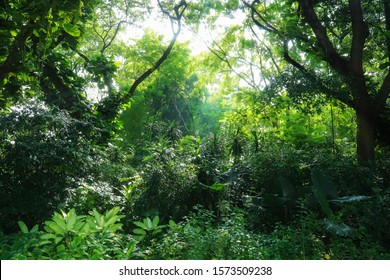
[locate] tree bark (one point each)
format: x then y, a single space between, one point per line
365 138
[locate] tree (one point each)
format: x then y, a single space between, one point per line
42 47
53 138
343 48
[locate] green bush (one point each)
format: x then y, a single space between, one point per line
71 236
204 236
168 185
45 157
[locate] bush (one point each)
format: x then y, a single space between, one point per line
70 236
45 155
203 236
168 185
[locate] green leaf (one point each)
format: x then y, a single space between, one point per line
321 188
48 236
86 228
34 229
340 229
36 33
14 33
140 224
112 212
72 30
55 228
139 237
59 220
98 218
23 227
172 224
71 221
139 231
114 228
58 239
155 221
111 221
148 223
218 186
350 199
130 247
61 248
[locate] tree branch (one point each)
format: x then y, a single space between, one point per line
335 60
179 10
359 35
265 25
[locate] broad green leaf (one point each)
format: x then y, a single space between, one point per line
148 222
111 221
23 227
320 187
218 186
141 225
155 221
139 231
61 248
58 239
340 229
72 30
59 220
79 225
55 227
34 229
72 218
14 33
48 236
110 213
86 228
115 227
172 224
98 218
139 237
44 242
130 247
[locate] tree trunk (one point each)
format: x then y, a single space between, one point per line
365 138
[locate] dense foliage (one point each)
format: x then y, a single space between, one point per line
272 143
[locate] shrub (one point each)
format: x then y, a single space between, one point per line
168 185
71 236
204 236
45 155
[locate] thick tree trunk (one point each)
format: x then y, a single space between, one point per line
366 123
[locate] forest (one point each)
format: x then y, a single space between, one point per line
194 129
